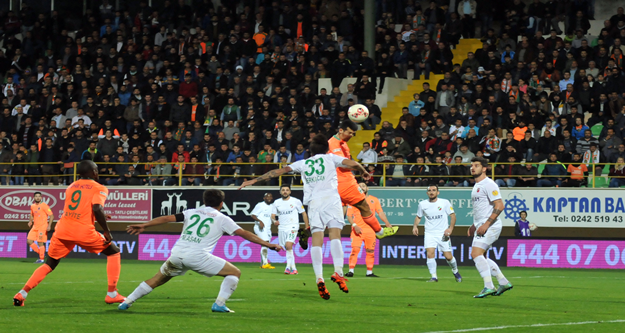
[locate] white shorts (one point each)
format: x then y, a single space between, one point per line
435 240
487 240
287 235
265 234
326 214
205 264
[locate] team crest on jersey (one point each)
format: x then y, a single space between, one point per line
440 208
495 192
478 190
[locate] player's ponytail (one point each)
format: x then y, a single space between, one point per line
319 145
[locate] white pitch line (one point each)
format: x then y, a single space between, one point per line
533 325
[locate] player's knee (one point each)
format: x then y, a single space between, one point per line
236 272
355 249
112 249
370 251
52 262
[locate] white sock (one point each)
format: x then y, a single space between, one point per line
496 272
111 293
316 254
142 290
351 270
228 286
380 233
338 257
290 260
24 293
431 262
453 264
263 256
369 272
484 268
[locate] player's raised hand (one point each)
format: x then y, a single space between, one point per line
247 183
135 229
275 247
415 231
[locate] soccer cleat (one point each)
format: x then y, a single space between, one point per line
294 272
432 280
371 275
39 261
287 271
18 300
388 232
340 281
267 266
303 235
458 277
223 308
349 274
503 289
485 292
124 306
112 300
323 291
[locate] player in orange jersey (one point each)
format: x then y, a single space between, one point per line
351 194
40 220
362 232
84 204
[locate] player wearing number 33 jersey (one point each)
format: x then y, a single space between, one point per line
201 230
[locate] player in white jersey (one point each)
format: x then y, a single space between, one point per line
285 214
486 228
436 212
202 229
261 214
324 205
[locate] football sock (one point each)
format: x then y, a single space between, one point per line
336 249
431 262
369 272
453 264
351 270
496 272
34 247
228 286
372 221
316 254
484 268
353 257
113 268
290 260
141 290
42 252
370 260
38 275
263 256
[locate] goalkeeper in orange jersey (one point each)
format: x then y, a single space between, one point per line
362 232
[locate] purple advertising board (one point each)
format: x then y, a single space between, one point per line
548 253
12 244
236 249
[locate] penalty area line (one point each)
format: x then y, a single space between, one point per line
529 326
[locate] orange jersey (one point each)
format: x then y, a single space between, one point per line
374 205
78 219
40 213
339 147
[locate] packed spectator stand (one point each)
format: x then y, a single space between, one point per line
196 94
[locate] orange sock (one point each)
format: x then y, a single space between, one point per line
42 252
113 268
369 260
372 221
34 247
353 257
38 275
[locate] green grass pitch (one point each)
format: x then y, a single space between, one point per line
71 299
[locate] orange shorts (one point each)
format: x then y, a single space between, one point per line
367 236
38 236
350 192
94 243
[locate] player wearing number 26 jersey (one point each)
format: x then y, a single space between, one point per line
201 230
84 205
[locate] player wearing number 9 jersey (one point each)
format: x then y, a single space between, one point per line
84 204
201 230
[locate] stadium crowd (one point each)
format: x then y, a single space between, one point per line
175 85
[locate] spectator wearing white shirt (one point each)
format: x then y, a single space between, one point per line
548 127
25 107
81 115
367 155
59 118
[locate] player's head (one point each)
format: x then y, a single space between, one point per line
363 187
319 145
432 192
285 191
347 129
88 169
37 197
523 214
213 198
478 166
268 198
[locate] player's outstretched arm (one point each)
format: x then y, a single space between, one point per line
100 217
136 229
255 239
353 165
271 174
